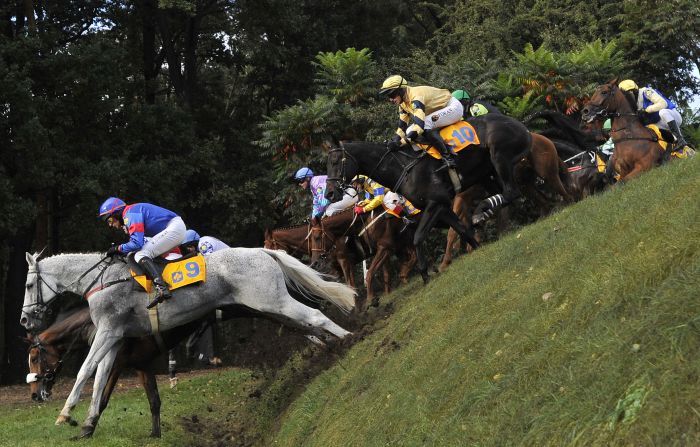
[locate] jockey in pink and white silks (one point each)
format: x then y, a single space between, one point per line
306 179
152 231
657 109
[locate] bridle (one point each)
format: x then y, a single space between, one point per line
47 376
40 306
342 181
295 248
604 113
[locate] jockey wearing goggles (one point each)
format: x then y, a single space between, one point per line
163 229
423 110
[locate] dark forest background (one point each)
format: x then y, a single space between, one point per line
207 106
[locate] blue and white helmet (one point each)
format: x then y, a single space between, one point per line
190 236
303 173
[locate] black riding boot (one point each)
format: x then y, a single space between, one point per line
446 151
162 292
680 142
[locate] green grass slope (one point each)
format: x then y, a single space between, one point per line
582 329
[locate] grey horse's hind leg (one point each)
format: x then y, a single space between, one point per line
104 341
308 318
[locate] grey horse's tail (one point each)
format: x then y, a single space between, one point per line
310 283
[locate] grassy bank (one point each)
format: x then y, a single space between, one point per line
582 329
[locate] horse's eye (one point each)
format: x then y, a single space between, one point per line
29 286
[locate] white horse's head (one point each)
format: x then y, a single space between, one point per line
40 290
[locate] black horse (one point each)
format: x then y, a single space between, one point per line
424 181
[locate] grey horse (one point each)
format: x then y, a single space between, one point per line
256 278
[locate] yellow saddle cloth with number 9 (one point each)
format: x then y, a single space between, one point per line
458 135
177 273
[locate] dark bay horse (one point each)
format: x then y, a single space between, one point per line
637 148
48 349
422 179
381 235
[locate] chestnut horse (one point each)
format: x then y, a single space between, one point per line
296 241
637 148
380 233
48 350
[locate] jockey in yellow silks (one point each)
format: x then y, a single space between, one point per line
423 110
374 193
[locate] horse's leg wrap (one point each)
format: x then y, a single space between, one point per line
487 208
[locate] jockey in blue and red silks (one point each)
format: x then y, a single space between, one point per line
152 231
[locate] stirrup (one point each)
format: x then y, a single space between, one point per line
162 294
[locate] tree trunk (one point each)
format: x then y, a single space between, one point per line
191 40
149 13
14 365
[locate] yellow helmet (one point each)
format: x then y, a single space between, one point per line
361 179
628 84
391 86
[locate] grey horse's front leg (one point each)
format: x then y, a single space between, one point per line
101 376
104 340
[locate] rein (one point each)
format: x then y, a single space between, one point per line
342 181
604 114
296 248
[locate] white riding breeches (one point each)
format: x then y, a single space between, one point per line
172 236
449 114
667 115
348 200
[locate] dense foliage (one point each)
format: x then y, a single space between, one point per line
207 106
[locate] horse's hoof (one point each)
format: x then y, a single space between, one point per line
478 219
154 434
66 420
86 432
425 277
375 302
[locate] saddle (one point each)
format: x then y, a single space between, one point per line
189 269
458 135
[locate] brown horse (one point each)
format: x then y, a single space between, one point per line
637 148
381 235
577 146
296 241
48 349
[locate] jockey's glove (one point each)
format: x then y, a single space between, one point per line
642 114
112 250
358 210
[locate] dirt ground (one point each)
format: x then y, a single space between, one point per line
18 395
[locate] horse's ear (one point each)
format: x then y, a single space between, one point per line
614 81
268 234
330 142
31 259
